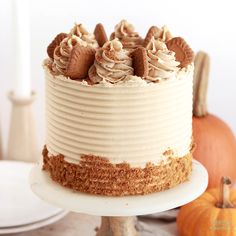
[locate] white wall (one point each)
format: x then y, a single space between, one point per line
206 25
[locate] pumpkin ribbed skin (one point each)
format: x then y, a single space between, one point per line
214 212
215 148
215 142
202 218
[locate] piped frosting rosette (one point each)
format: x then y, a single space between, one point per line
79 31
62 53
162 62
112 63
165 34
158 57
130 39
162 34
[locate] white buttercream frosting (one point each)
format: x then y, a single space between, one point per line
166 34
125 32
63 52
133 121
112 63
162 63
77 36
80 31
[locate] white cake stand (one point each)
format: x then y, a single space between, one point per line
117 212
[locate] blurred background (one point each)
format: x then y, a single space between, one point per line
206 25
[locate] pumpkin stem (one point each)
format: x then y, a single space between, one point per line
225 194
200 83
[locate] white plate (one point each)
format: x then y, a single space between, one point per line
39 224
18 204
67 199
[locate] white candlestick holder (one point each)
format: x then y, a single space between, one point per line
22 144
1 148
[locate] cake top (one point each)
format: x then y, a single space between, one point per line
125 32
91 57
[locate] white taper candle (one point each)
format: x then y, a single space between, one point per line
21 14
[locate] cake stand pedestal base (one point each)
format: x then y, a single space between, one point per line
118 212
117 226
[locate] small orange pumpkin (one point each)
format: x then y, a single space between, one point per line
212 214
215 142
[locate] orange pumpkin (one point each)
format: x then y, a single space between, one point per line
212 214
215 142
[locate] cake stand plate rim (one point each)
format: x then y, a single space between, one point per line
51 192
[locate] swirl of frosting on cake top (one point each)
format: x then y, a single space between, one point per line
62 53
112 63
165 34
162 62
130 39
79 31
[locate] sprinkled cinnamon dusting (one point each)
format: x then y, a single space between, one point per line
168 152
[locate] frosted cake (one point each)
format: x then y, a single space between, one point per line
118 110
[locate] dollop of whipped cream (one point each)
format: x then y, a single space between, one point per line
63 52
112 63
125 32
162 62
79 31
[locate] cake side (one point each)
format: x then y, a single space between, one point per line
119 112
123 124
96 175
118 140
